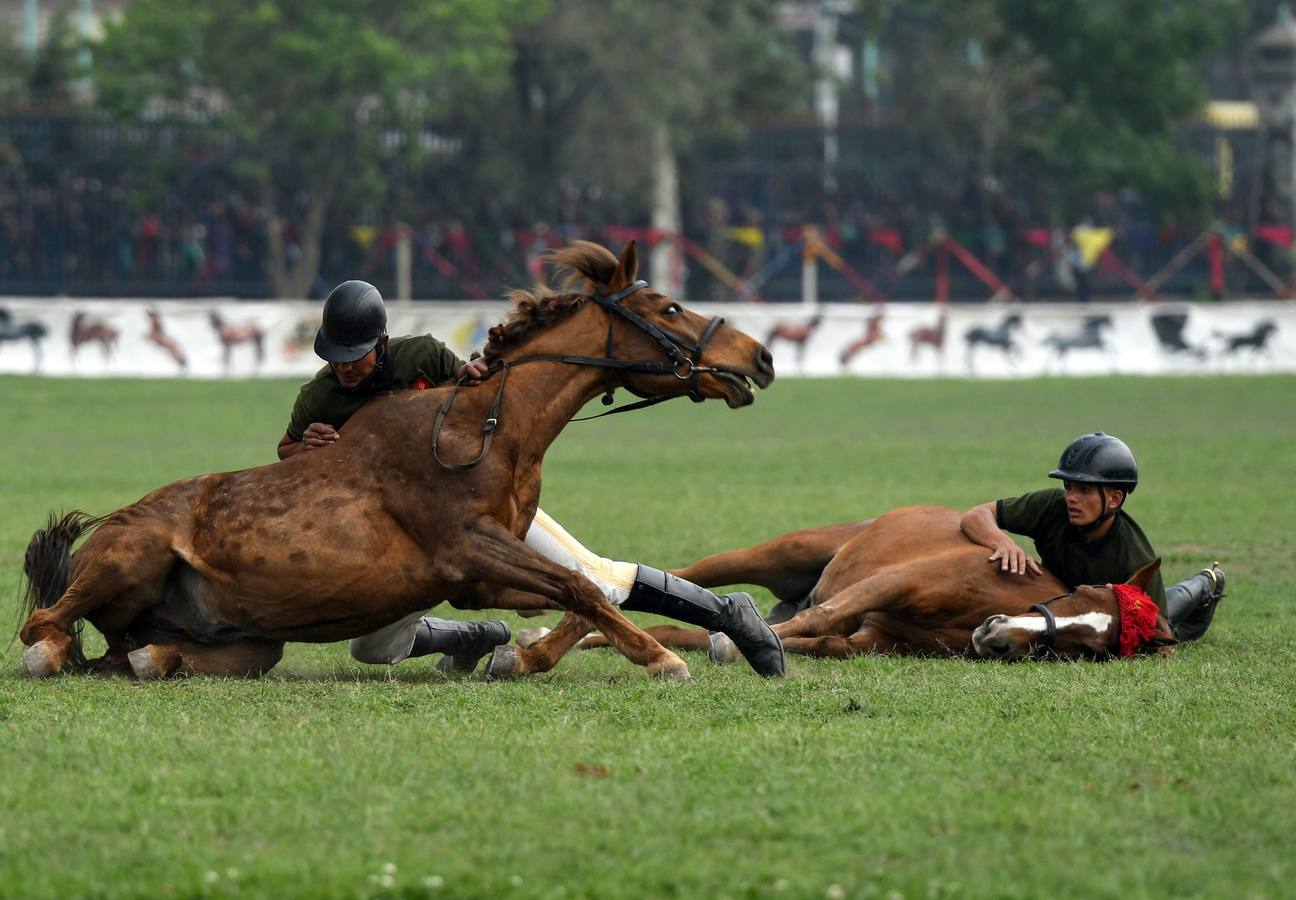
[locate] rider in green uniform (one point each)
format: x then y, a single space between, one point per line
1084 536
363 362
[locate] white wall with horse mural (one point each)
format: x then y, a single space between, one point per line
235 339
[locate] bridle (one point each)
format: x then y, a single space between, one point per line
1050 623
683 366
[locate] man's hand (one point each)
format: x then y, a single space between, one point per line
1013 560
472 372
318 434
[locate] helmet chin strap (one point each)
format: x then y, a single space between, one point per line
1106 514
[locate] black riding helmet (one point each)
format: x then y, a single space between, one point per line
1098 458
1103 460
354 321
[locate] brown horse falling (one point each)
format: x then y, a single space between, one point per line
910 583
214 573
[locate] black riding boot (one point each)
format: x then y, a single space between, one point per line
735 615
463 643
1190 605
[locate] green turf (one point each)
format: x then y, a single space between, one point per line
871 777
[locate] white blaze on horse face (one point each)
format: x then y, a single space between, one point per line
1099 622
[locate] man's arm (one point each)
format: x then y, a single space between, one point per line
981 525
317 435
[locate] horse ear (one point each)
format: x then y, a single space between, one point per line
1143 577
627 267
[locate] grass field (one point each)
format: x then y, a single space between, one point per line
873 777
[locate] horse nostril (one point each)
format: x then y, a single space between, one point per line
766 360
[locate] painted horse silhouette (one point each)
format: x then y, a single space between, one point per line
1256 340
872 334
214 573
31 331
86 330
231 336
1169 330
157 336
929 336
1001 336
911 583
798 335
1088 337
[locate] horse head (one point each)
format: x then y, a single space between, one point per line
643 339
1093 621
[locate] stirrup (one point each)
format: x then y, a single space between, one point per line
1217 577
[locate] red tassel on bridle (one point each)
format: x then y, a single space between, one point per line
1138 617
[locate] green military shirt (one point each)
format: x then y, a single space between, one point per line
408 360
1042 516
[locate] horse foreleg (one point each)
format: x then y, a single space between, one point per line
240 659
788 566
667 635
843 613
539 655
500 558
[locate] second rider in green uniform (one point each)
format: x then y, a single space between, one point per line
1084 536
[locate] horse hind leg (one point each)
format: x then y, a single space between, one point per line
116 564
788 566
237 659
840 646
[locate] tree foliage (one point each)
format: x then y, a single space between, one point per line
592 79
317 94
1066 98
1125 75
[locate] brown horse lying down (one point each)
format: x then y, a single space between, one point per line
910 582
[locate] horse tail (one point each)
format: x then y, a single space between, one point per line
47 568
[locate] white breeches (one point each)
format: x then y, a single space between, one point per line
392 643
551 540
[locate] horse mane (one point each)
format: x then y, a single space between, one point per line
589 265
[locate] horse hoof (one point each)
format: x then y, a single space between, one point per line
143 664
722 649
673 672
528 636
40 660
503 663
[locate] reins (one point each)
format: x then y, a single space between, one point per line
681 366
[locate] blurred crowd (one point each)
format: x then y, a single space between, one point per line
82 234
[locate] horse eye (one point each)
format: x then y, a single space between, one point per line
671 311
